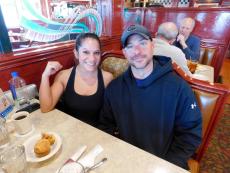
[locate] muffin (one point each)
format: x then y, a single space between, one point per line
42 147
49 137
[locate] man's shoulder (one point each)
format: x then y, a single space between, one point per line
194 37
170 51
176 49
117 82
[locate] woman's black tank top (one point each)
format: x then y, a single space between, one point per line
84 108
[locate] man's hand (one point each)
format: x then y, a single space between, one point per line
51 68
181 40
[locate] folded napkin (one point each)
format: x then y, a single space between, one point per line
77 154
72 159
87 161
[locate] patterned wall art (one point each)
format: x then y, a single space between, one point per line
47 30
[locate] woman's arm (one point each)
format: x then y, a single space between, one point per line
49 95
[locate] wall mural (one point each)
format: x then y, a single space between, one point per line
48 30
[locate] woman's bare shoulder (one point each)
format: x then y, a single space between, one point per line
107 77
63 75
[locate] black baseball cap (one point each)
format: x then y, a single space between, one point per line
135 29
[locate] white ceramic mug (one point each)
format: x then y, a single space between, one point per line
22 122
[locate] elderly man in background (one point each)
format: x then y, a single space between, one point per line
188 43
165 36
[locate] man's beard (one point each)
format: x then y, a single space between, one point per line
142 67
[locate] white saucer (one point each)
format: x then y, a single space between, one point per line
27 134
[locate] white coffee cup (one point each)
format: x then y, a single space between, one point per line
22 122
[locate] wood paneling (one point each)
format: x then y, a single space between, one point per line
30 63
213 26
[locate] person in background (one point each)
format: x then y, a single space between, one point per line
82 86
188 43
165 36
150 106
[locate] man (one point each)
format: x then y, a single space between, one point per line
165 36
150 106
187 42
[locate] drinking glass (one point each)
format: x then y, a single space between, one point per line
192 65
13 160
4 135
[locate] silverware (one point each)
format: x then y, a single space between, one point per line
86 170
66 169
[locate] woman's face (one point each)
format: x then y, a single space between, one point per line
89 54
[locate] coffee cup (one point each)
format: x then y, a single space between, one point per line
21 121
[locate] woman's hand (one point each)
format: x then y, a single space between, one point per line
52 67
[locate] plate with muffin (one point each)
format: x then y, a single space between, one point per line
42 146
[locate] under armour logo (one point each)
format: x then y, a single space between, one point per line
193 105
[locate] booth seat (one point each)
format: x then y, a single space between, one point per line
206 55
210 97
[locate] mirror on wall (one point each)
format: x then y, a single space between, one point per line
40 22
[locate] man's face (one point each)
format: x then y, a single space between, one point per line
186 28
138 51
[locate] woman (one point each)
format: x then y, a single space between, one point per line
81 87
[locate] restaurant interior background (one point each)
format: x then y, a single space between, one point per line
37 31
33 19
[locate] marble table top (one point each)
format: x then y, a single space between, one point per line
122 157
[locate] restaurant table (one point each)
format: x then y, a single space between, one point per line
204 72
122 157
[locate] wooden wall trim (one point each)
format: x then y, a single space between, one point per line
182 9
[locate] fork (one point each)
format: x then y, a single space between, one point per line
88 169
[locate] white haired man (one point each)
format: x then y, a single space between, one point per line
188 43
165 36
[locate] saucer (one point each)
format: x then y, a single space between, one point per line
25 135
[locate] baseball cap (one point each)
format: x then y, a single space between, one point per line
135 29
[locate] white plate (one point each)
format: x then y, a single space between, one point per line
200 77
201 68
29 147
